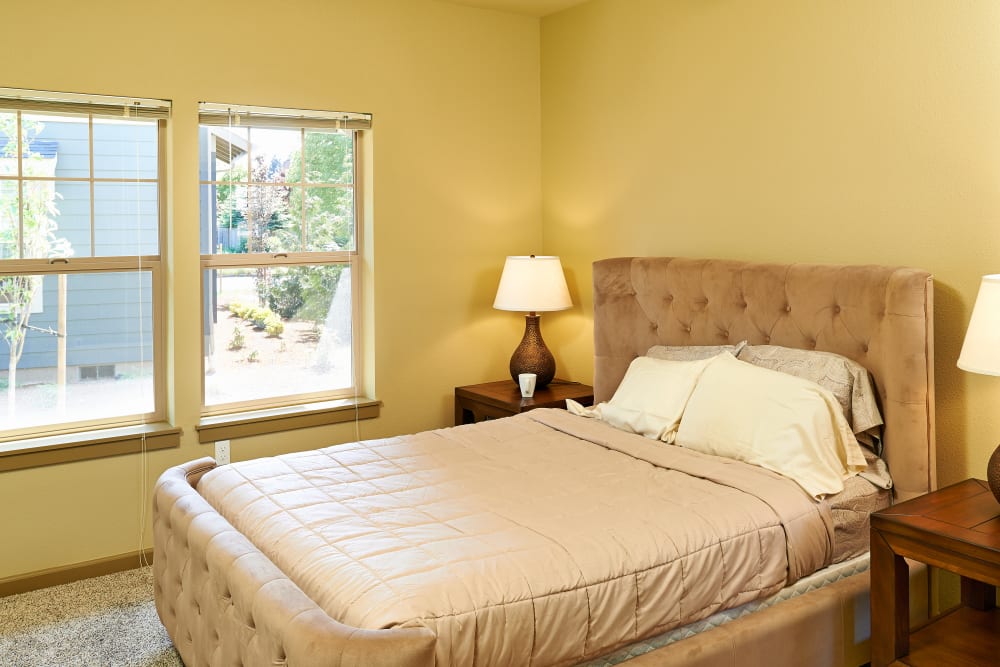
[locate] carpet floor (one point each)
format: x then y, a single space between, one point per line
105 621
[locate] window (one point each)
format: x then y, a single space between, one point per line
280 255
81 219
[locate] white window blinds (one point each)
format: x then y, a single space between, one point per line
211 113
99 105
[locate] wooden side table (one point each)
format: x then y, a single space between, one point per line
957 529
476 402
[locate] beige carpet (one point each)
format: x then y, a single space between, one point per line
106 621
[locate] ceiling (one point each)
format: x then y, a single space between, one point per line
528 7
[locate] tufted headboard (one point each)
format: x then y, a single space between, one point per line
880 316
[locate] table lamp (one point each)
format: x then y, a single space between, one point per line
981 352
532 284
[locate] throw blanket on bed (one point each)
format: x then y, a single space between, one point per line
539 539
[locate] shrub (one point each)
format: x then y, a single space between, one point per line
300 292
273 326
239 310
261 318
285 295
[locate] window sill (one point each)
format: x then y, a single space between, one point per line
274 420
36 452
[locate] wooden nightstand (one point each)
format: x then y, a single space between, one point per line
957 529
477 402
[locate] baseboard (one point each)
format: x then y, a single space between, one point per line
66 574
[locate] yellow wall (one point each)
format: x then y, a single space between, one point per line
781 130
455 97
835 131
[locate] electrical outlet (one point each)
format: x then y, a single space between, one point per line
222 452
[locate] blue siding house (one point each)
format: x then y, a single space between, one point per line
109 315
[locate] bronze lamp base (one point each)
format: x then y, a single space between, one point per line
531 356
993 473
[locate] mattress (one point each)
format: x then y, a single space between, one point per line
851 510
555 537
828 575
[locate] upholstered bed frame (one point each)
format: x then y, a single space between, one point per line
224 603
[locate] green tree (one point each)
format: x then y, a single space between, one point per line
230 208
329 211
261 210
328 159
35 212
273 216
265 208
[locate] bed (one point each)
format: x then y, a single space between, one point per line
224 595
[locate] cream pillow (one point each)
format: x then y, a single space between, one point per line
651 397
777 421
845 378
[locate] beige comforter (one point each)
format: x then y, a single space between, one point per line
539 539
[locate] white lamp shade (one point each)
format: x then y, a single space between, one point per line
532 284
981 349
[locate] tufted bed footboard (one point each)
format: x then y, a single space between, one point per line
224 603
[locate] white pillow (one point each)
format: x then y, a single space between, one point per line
774 420
651 397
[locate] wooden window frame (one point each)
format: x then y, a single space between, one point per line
266 415
93 432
